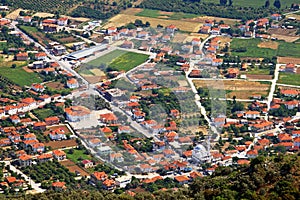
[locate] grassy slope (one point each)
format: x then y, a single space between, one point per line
77 154
287 49
107 58
172 16
43 113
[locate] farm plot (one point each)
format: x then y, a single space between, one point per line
253 3
239 88
36 34
55 85
289 50
123 19
18 75
61 144
72 167
289 79
43 113
286 60
250 48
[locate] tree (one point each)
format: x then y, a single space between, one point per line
230 2
223 2
267 4
277 4
13 66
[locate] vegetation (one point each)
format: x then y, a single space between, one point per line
43 113
254 3
265 178
23 78
289 78
249 48
209 8
77 155
119 60
287 49
171 16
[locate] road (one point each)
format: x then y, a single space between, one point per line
34 186
273 86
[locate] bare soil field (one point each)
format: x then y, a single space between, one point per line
94 79
285 60
61 144
26 69
203 18
72 167
261 76
294 15
268 44
77 19
242 89
123 19
43 14
180 38
55 85
288 35
14 14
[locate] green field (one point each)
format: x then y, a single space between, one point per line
287 49
171 16
18 75
3 45
77 155
119 60
253 3
43 113
289 78
256 70
252 49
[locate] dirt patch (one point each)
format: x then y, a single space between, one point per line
179 38
195 35
61 144
163 17
285 60
183 83
261 76
297 17
43 15
94 79
26 69
56 85
7 58
72 167
268 44
123 19
288 35
203 18
132 11
14 14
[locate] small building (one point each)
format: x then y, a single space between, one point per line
72 83
22 56
59 155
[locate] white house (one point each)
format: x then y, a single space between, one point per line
252 114
72 83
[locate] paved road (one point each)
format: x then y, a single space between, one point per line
273 86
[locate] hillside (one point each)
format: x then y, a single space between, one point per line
265 178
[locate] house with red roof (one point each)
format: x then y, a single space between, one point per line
44 157
59 155
63 21
252 114
25 160
40 56
22 56
87 164
252 153
37 87
39 126
59 186
97 177
108 118
58 134
38 147
182 179
171 28
116 157
72 83
51 120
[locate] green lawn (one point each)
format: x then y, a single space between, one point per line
257 70
287 49
77 155
253 3
30 29
128 61
18 75
119 60
43 113
172 16
3 45
252 49
107 58
289 78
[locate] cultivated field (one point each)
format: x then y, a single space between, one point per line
239 88
72 167
35 33
43 15
268 44
289 79
14 14
61 144
253 3
123 19
288 35
285 60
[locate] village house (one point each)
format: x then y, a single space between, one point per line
22 56
87 164
40 56
25 160
59 155
51 120
72 83
116 157
77 113
97 177
44 158
252 114
57 134
63 21
37 87
59 186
